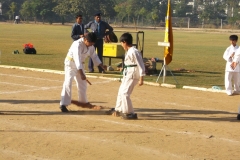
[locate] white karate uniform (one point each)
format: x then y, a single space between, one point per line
237 60
74 61
231 74
130 78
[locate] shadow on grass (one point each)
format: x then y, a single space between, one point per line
41 54
187 73
209 72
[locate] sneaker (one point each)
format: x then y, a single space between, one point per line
63 108
116 114
110 112
113 112
238 117
130 116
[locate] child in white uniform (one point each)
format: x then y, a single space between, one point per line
234 64
133 73
231 74
74 68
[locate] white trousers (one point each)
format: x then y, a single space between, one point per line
124 103
231 78
70 73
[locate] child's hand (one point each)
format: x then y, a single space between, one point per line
140 83
83 76
233 65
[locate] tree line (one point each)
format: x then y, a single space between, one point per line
123 11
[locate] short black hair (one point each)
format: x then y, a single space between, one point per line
78 15
126 37
233 38
91 37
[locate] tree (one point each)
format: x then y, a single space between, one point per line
107 8
62 9
154 15
142 12
121 10
25 10
12 10
181 9
45 8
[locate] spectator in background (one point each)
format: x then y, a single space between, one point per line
99 27
77 28
231 72
17 19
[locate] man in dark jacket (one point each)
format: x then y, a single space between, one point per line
77 28
99 27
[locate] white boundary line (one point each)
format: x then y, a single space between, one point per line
114 79
15 84
30 77
31 90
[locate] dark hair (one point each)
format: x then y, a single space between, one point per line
91 37
78 15
233 38
126 37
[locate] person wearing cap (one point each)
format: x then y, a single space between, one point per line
99 27
78 28
74 69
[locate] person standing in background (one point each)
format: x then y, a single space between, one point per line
78 28
17 19
99 27
231 73
236 64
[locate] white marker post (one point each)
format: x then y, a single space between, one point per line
163 44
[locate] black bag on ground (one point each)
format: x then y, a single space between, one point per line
28 50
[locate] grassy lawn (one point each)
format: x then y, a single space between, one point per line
199 53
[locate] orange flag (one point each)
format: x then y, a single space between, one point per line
168 51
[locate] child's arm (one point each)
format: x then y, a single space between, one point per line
235 60
140 64
228 55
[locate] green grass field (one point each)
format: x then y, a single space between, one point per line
198 52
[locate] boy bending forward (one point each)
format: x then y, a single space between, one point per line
74 69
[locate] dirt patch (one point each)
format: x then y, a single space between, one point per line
173 123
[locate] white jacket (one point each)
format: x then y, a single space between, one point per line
227 56
133 57
79 52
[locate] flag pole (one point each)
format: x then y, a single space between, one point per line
164 70
167 44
